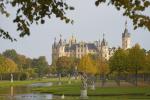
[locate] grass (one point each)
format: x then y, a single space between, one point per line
107 98
26 82
74 90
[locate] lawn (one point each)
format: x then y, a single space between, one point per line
26 82
74 90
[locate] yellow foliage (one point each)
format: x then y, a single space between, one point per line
7 65
87 65
103 67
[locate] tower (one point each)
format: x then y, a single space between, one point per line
104 49
54 51
126 39
72 40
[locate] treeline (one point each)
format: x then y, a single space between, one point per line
21 66
130 65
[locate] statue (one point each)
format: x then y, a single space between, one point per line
11 78
83 86
84 81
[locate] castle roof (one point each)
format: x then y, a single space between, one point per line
90 46
126 33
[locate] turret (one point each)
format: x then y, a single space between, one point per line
60 41
104 49
126 39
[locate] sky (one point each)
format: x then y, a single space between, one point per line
90 23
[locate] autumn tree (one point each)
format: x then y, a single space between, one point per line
7 66
136 60
118 63
103 68
2 68
88 67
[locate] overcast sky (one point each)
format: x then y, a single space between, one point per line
90 22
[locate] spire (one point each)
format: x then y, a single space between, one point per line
104 41
103 35
55 42
126 33
55 39
60 41
60 36
126 23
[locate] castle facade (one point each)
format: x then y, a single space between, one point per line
73 48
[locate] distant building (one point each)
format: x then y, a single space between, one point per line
126 39
72 48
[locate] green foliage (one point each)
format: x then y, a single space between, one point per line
118 62
40 65
63 65
74 90
34 11
134 9
136 58
147 63
27 67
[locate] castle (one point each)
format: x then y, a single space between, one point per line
72 48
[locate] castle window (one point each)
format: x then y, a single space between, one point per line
81 49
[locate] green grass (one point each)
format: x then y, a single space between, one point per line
74 90
107 98
26 82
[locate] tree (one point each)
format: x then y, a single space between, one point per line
103 68
30 72
7 66
20 60
2 69
136 60
88 69
63 65
87 65
40 64
12 54
146 68
33 11
118 63
134 9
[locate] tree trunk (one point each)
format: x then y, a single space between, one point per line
19 76
103 80
1 77
118 79
136 76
